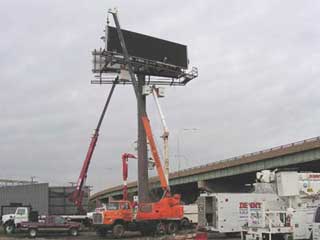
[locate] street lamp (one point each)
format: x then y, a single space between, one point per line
178 141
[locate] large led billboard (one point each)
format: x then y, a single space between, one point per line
147 47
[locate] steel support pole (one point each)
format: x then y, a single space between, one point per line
143 187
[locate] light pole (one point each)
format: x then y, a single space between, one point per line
182 130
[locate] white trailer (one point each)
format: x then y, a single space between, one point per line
228 212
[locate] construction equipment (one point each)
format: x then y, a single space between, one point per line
292 215
227 212
157 92
144 116
77 195
125 157
120 216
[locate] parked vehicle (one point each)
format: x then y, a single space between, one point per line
190 216
293 216
51 224
11 222
316 225
227 212
22 214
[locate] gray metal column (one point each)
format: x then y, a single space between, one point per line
143 187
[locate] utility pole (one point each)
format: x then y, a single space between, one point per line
143 187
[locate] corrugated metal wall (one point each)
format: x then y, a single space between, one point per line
44 199
35 195
59 203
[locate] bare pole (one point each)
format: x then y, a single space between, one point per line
143 186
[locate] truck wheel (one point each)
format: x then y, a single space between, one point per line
161 228
101 232
118 230
147 231
74 232
9 228
185 223
172 227
32 232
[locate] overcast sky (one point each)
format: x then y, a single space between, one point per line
258 83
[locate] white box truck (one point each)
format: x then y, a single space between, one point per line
228 212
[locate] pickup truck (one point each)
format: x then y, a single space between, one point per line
51 224
26 214
22 214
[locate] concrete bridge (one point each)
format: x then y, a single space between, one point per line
229 175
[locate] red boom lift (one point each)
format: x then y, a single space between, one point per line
125 158
77 195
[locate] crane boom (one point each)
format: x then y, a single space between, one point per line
125 158
77 195
144 117
165 134
163 180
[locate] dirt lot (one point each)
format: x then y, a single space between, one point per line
92 236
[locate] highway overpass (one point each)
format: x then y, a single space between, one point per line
229 175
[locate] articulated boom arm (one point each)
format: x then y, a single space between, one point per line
77 195
125 158
163 180
144 118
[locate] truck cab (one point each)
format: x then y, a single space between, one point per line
117 210
22 214
115 213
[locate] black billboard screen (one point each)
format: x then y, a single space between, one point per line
147 47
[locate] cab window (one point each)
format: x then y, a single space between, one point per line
125 206
21 211
113 206
59 220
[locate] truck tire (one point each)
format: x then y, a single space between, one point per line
161 228
147 231
172 227
118 230
9 228
185 223
33 232
74 232
101 232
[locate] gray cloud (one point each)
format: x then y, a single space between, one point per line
257 88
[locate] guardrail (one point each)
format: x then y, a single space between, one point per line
273 149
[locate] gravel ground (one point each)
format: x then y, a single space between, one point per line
93 236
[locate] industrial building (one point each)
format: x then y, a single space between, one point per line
40 196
